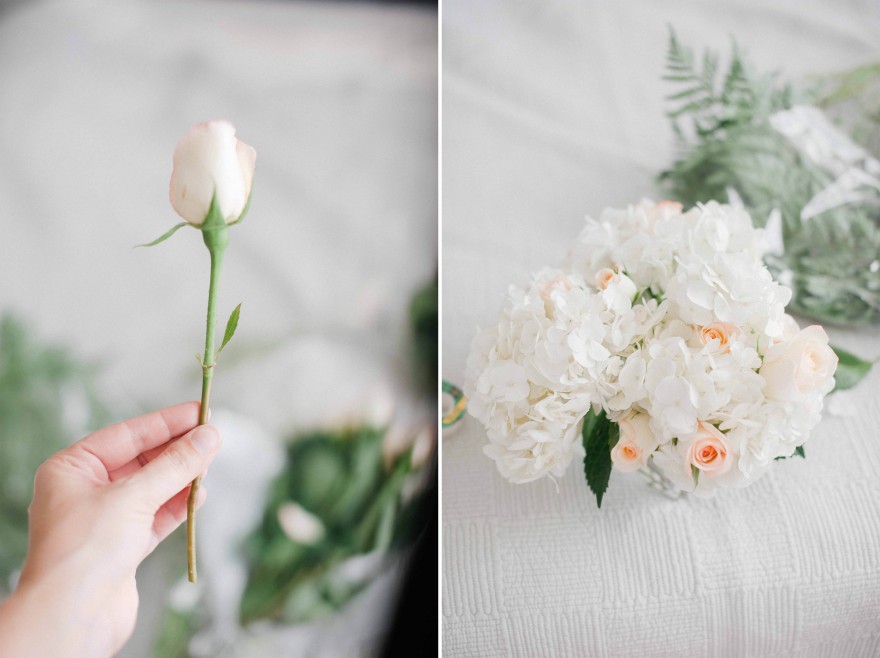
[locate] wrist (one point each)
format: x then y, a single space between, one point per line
53 613
32 622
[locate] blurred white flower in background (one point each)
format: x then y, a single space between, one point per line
300 525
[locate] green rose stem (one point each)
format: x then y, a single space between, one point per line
216 238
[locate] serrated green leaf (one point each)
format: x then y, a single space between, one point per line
592 422
850 369
164 236
231 326
600 436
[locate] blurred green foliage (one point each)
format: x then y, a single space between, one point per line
46 395
177 629
425 322
340 478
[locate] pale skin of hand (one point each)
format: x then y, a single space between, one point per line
99 508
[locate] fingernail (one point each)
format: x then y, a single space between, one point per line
205 438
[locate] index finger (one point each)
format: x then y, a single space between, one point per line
118 444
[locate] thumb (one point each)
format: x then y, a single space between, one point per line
178 465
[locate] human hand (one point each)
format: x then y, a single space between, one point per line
99 508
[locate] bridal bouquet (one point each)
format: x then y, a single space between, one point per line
663 343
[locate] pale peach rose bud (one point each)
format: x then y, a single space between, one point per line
549 287
635 445
708 451
800 366
663 210
670 207
210 161
604 277
619 292
627 456
720 332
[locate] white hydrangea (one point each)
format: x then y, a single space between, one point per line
672 324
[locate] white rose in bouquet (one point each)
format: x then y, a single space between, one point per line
708 451
799 368
636 443
663 341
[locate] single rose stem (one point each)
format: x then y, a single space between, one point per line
216 241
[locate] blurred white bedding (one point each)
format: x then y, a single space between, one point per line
552 111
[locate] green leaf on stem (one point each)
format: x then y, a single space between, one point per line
164 236
850 369
231 326
600 436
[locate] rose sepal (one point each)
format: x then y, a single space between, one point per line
212 228
215 230
164 236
